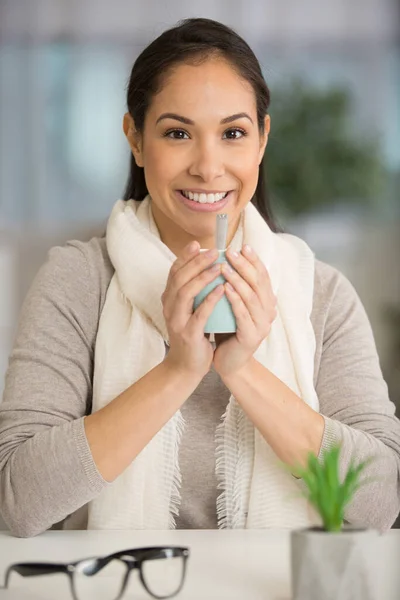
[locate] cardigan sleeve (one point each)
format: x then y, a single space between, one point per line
46 467
354 398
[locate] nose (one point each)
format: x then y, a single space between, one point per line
207 161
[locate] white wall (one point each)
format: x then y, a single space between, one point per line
274 19
368 254
8 301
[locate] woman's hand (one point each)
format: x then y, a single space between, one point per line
190 351
249 291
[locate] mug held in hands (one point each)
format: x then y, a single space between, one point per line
222 319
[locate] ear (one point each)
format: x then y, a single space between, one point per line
264 137
134 138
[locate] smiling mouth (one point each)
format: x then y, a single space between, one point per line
204 197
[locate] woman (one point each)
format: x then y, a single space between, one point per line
118 411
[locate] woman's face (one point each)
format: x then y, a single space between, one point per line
200 137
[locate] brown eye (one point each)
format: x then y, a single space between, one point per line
175 134
236 132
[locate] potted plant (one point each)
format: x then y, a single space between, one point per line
316 158
333 561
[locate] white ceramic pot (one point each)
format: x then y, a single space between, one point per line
333 566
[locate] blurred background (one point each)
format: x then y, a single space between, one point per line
333 159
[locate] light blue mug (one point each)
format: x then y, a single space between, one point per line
222 318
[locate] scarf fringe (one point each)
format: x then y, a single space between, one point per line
234 463
175 497
220 471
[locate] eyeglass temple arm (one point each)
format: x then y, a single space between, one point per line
34 569
150 553
98 564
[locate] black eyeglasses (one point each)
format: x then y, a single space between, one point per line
161 569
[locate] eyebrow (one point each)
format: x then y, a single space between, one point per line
187 121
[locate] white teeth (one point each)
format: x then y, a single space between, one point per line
204 198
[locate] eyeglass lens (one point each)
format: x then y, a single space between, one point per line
105 584
163 577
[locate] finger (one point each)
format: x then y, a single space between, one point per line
244 320
182 301
261 315
256 328
249 297
200 316
252 269
191 269
258 264
189 252
243 266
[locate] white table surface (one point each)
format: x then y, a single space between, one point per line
245 564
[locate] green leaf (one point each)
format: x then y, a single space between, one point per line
352 481
323 487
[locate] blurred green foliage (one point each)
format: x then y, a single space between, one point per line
325 490
314 157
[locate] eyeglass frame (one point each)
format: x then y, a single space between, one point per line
132 558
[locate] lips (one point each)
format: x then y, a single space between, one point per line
198 207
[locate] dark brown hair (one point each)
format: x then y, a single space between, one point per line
193 41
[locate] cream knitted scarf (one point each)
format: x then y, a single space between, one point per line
256 491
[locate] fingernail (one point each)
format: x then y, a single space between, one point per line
235 254
247 249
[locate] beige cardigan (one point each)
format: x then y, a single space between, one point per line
47 473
